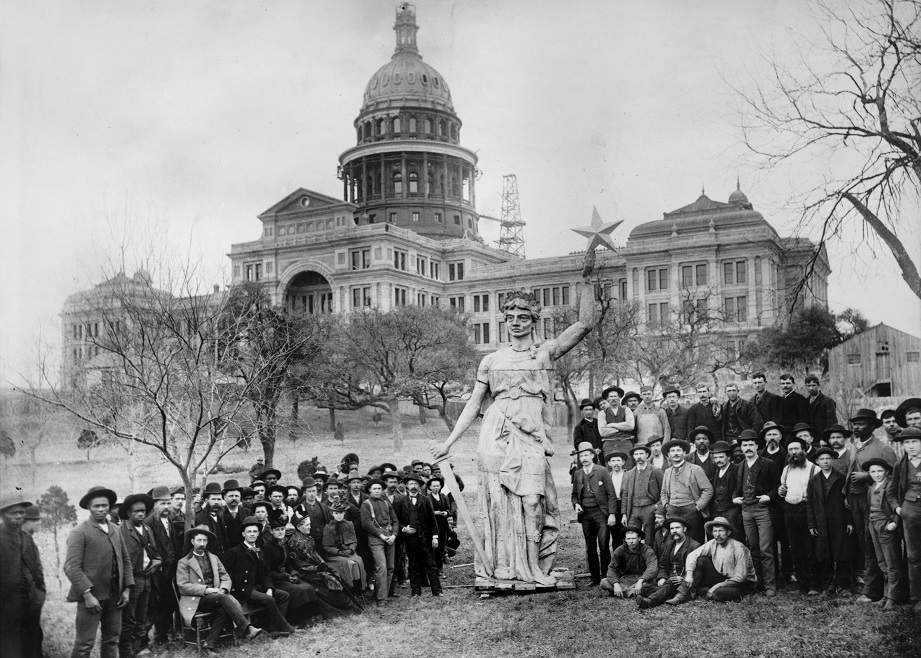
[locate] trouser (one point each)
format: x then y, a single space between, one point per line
13 608
734 515
400 565
886 548
831 573
383 554
595 531
88 622
439 553
274 606
783 558
706 576
911 528
627 582
692 517
225 608
661 594
644 516
759 534
860 541
32 635
421 564
134 618
162 604
801 551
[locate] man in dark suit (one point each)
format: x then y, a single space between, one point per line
756 489
738 415
22 584
724 479
99 570
707 411
701 438
676 414
233 513
792 407
587 428
252 582
765 401
162 600
420 534
210 516
145 562
823 411
595 503
672 561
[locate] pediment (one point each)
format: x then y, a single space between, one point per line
301 200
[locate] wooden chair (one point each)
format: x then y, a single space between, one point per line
194 633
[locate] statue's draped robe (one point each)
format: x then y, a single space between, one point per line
512 463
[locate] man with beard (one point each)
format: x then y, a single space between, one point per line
792 407
865 448
738 414
725 478
772 438
721 569
676 414
763 400
706 411
633 567
755 489
822 409
616 425
587 428
672 565
210 516
145 562
162 601
650 419
233 513
686 491
701 436
829 524
641 490
794 481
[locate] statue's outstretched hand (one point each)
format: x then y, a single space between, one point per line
439 450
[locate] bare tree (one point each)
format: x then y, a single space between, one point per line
856 108
156 369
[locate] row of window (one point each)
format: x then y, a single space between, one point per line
853 358
310 303
424 127
360 259
735 272
296 228
735 309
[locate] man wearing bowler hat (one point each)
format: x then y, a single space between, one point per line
162 603
722 568
22 584
205 586
756 489
686 491
99 570
210 515
587 428
420 534
233 512
641 491
595 503
904 495
633 567
145 562
616 424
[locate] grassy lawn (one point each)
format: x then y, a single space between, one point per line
462 623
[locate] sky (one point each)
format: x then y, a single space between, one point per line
129 127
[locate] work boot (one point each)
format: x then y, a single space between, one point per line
683 595
643 602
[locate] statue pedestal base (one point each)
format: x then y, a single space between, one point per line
564 580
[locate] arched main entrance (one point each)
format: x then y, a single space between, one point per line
308 292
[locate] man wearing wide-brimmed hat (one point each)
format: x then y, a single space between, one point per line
908 413
641 491
587 428
686 491
904 493
381 526
22 584
145 562
205 585
722 568
616 425
99 570
595 503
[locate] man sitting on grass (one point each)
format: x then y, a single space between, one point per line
633 567
721 569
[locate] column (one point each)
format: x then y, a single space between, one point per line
383 177
345 183
403 175
444 184
364 180
425 175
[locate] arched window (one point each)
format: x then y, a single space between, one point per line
427 127
396 125
381 127
368 130
413 182
412 125
441 128
397 182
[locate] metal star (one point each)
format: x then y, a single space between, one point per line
598 232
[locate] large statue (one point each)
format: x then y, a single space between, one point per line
516 503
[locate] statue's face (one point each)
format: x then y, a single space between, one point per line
519 322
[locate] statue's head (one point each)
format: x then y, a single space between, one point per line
522 300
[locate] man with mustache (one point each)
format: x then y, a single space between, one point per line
672 565
721 569
641 490
794 482
724 481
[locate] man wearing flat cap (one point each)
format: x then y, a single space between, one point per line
722 568
22 584
99 570
595 503
145 562
633 567
587 428
420 534
641 491
904 495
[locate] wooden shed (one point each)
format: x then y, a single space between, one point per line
881 361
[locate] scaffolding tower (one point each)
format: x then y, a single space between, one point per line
511 233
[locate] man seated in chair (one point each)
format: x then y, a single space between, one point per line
721 569
204 586
252 582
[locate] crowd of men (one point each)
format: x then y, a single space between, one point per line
729 497
263 559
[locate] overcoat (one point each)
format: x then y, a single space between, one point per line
827 513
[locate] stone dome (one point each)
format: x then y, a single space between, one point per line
738 198
406 79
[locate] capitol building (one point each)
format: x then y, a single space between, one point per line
406 231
